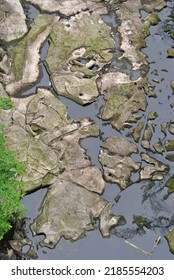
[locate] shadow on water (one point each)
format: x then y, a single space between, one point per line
140 199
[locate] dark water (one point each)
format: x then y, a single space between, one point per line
137 199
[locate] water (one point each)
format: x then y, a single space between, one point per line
138 199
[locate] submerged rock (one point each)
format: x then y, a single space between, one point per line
123 97
116 161
79 48
12 20
69 211
25 57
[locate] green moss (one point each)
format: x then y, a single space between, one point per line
141 221
170 53
18 53
170 239
170 185
169 145
153 18
170 157
117 198
152 115
172 85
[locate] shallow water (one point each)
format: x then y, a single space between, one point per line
137 199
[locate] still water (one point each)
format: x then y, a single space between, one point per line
137 199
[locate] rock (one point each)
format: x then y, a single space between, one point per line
152 116
133 30
12 20
155 171
170 185
170 157
116 161
70 210
136 132
82 52
25 55
172 85
170 53
158 147
170 239
169 145
123 98
67 7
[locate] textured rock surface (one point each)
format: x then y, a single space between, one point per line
123 98
25 55
116 161
74 64
69 210
12 20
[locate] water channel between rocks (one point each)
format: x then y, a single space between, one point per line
93 246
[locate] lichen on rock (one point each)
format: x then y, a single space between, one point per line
25 57
124 98
79 48
12 20
116 161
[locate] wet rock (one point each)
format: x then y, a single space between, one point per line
172 85
170 157
136 132
155 171
116 161
70 210
12 20
25 55
152 115
123 97
170 53
145 143
67 7
133 30
170 185
158 147
164 128
171 127
84 48
169 145
170 239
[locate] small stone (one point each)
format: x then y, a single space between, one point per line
152 116
170 53
158 147
170 157
172 85
169 145
170 240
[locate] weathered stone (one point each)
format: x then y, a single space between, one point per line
171 128
84 43
169 145
123 98
116 162
67 7
155 171
170 157
152 116
136 132
25 55
170 185
69 210
170 53
158 147
172 85
170 240
12 20
164 128
133 30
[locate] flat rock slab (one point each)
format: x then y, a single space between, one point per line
12 20
69 211
79 48
116 161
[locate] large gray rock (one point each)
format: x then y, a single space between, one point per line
69 211
12 20
25 56
79 48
